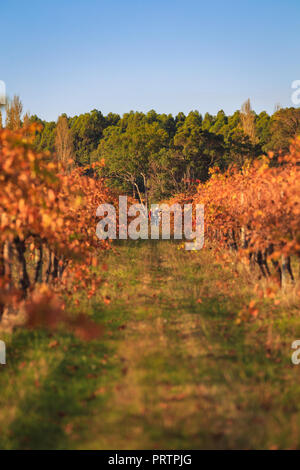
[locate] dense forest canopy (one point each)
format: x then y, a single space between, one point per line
153 155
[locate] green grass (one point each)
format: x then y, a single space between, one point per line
170 371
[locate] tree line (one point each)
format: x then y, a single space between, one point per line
151 155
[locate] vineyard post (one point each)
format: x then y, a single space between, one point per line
243 231
286 269
24 281
39 264
7 255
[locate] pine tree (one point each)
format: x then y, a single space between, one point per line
13 113
64 141
248 121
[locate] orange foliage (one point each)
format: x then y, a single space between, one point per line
47 221
257 207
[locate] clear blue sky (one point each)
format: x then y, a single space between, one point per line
116 55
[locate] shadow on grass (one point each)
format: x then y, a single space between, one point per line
49 415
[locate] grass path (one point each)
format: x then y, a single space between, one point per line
174 369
